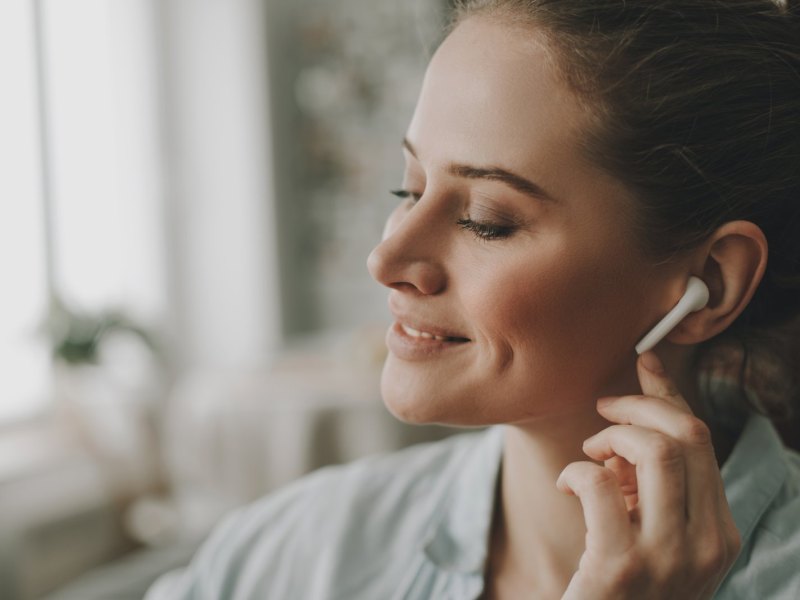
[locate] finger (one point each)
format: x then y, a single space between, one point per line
608 525
706 502
626 476
655 381
660 474
658 414
702 472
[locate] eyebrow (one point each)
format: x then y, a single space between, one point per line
525 186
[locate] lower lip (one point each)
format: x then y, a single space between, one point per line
409 347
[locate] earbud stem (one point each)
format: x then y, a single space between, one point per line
694 298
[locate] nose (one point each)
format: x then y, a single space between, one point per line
409 256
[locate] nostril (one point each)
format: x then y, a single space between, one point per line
402 286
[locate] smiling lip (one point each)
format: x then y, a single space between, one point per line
410 347
428 332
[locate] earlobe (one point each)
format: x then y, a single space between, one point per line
733 263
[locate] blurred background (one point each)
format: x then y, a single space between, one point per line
188 193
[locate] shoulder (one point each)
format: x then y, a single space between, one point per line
783 517
769 564
360 512
775 555
376 493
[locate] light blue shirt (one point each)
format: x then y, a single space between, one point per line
415 525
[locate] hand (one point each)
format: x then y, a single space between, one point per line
658 524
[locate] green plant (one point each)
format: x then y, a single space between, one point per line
76 336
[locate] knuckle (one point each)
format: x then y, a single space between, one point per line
712 556
662 449
695 431
734 542
629 568
669 566
733 545
671 390
600 477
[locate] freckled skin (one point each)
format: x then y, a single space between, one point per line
554 310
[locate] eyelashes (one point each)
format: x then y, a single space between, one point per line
482 230
486 231
405 194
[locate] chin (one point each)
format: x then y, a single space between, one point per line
405 407
421 407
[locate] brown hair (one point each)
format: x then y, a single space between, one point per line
698 111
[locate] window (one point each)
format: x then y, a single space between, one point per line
23 358
80 184
103 153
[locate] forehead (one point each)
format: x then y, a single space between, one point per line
491 94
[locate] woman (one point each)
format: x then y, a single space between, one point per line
569 166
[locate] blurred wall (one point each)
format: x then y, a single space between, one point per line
344 78
220 220
282 125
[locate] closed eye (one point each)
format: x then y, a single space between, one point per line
483 231
405 194
486 231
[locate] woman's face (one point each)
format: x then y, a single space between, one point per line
510 240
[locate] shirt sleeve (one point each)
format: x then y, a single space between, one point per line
267 534
345 531
167 586
205 575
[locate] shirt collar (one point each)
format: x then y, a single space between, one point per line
458 536
754 473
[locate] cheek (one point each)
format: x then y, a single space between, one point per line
521 294
512 305
558 312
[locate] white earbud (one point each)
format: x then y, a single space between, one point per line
694 298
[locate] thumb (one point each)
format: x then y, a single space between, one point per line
655 381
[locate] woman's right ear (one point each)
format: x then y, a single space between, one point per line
694 298
733 263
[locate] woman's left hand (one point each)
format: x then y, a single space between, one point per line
658 523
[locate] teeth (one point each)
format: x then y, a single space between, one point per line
423 334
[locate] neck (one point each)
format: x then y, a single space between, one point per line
538 533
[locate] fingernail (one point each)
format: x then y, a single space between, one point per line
605 401
652 363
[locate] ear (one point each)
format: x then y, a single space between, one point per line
732 263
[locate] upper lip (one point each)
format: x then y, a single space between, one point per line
405 318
